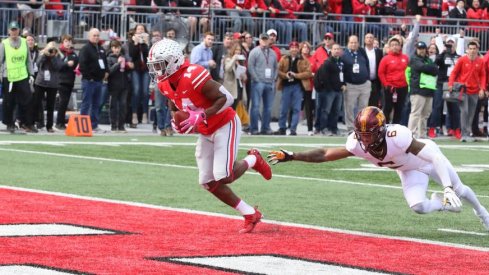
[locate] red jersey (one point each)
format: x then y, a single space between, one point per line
189 80
470 72
392 70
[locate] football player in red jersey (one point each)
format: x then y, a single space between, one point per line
415 161
191 89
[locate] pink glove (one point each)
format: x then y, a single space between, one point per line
193 120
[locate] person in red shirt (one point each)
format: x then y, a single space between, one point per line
191 89
241 12
392 76
323 51
469 70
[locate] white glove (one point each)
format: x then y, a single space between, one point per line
31 80
449 197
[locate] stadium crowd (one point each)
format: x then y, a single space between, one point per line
387 67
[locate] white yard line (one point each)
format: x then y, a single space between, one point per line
329 229
194 168
462 232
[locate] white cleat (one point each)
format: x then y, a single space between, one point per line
446 205
484 220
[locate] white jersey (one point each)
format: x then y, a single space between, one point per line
398 139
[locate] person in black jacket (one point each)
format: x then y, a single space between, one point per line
421 96
329 85
458 12
93 67
66 78
138 49
120 66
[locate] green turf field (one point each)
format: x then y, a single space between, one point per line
162 171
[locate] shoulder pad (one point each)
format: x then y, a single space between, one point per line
399 135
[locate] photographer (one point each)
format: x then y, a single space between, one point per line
235 73
46 83
138 49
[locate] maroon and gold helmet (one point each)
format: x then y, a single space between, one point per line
370 127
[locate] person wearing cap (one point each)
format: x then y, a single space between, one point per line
446 62
293 75
262 66
272 36
323 51
422 86
357 78
16 75
469 70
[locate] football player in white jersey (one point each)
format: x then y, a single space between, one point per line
415 161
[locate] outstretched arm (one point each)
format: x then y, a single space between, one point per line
315 155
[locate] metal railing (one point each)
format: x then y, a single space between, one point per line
117 20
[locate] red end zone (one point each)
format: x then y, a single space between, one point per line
144 237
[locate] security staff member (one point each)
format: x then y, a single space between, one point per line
16 73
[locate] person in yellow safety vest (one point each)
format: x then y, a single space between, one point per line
15 76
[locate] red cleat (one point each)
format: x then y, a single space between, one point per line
450 132
261 166
251 221
458 134
432 133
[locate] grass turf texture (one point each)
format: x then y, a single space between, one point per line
166 175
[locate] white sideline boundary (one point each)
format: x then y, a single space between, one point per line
195 168
335 230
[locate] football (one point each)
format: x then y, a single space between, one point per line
180 116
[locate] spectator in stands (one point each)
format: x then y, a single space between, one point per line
329 85
138 49
241 14
374 56
422 86
312 6
33 57
110 10
415 7
202 53
171 33
433 8
30 11
262 65
118 85
55 10
294 72
295 29
276 11
94 69
272 42
305 50
208 12
66 78
391 75
357 78
367 7
46 83
458 12
17 73
189 16
478 27
389 7
219 52
470 71
247 46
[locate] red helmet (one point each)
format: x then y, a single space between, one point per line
370 127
